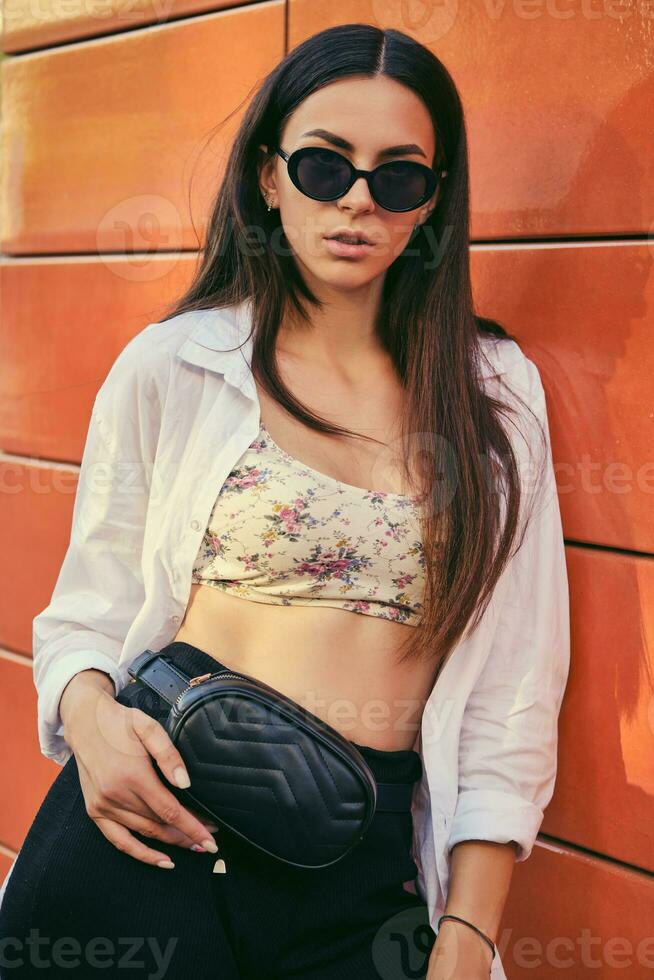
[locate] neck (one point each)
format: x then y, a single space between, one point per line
341 336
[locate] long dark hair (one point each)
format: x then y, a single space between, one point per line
425 321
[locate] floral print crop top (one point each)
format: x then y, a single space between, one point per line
281 532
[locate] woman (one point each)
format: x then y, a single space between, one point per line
275 451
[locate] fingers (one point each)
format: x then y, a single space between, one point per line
169 810
159 744
124 795
149 827
140 806
163 804
122 840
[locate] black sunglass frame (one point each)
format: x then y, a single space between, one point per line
294 159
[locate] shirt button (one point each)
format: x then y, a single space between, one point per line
175 619
195 525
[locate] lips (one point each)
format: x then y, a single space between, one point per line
351 238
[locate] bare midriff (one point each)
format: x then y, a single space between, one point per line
336 663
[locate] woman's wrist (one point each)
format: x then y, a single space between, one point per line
79 687
461 920
464 952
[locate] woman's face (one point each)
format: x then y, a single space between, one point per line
371 114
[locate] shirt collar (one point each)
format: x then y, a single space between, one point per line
209 341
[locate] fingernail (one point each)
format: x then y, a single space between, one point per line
210 845
181 777
165 864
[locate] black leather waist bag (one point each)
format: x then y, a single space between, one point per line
262 765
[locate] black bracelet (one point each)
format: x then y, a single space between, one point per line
465 922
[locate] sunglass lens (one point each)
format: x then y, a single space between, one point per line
323 175
398 186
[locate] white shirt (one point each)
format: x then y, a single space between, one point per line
171 419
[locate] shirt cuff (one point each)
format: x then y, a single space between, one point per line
493 815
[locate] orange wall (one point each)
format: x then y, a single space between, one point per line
94 210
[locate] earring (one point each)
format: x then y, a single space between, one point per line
268 203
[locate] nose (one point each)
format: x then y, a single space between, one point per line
358 196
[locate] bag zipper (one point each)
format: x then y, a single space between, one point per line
201 678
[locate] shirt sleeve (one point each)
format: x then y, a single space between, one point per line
509 733
100 586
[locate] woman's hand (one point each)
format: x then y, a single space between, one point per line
113 745
457 956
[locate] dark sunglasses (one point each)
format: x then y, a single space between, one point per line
325 175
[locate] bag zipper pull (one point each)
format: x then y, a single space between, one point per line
198 679
194 681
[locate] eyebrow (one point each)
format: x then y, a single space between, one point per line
403 149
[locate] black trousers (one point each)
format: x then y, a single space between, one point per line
75 906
